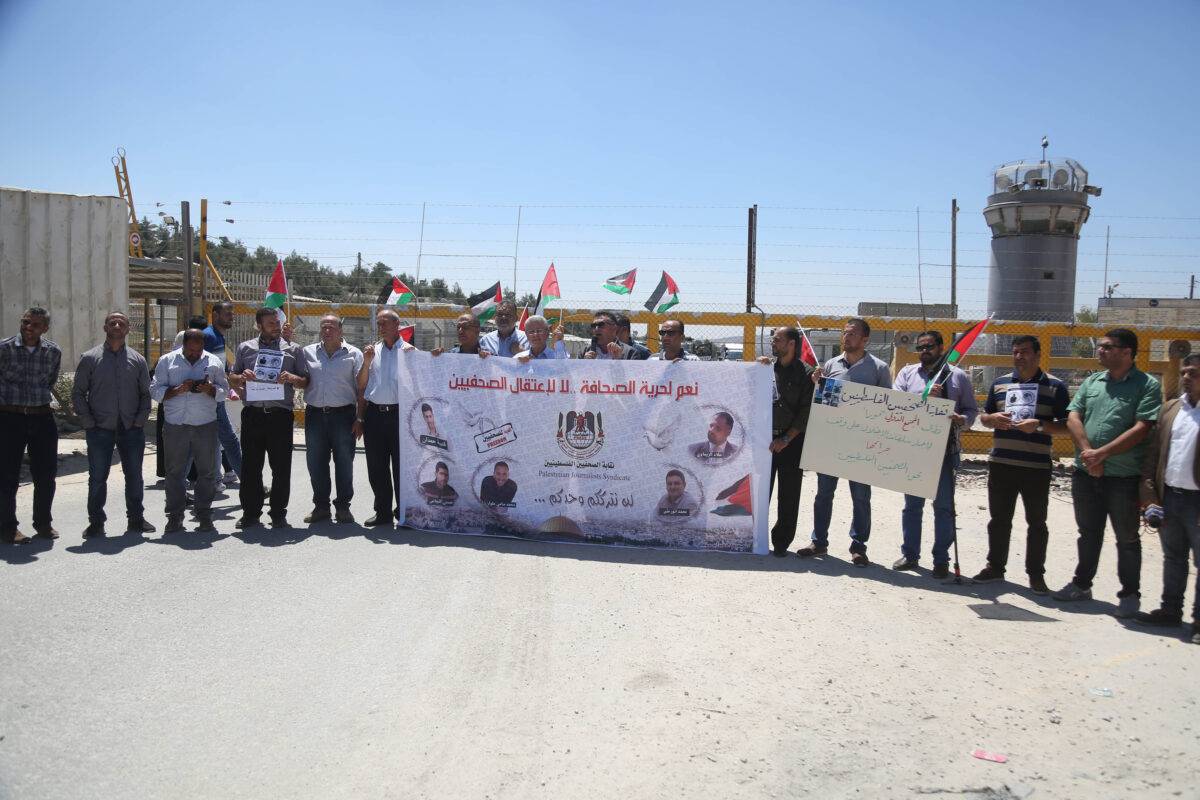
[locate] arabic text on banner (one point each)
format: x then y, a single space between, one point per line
887 438
657 454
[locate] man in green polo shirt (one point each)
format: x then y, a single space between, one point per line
1110 419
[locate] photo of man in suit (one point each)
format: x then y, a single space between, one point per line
496 489
718 448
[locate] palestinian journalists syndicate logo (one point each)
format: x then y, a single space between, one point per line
580 433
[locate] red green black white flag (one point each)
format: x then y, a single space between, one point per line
665 295
277 291
395 293
483 305
956 353
623 283
737 500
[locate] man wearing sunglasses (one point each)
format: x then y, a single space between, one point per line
605 344
1110 417
670 334
467 329
955 386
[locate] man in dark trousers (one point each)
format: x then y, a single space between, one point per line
111 397
29 366
379 416
789 418
1170 491
267 425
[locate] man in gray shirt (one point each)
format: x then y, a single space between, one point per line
330 418
267 425
189 383
111 397
854 365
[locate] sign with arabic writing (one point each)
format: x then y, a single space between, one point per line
645 453
887 438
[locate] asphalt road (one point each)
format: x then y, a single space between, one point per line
337 662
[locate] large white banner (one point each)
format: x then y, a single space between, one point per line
643 453
887 438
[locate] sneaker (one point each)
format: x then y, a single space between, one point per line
904 563
860 560
812 550
941 571
1128 606
989 575
174 525
206 525
1072 592
1159 618
96 530
1037 585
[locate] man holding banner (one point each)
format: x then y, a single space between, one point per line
854 365
507 340
953 384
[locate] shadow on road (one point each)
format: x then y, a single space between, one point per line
109 545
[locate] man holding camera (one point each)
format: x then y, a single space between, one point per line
189 383
1170 492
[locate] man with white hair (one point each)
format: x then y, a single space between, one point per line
537 329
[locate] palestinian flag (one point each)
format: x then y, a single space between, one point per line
483 305
623 283
737 500
407 332
956 353
395 293
807 354
546 295
666 289
277 292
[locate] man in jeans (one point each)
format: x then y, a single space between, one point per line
190 383
855 365
331 418
29 365
1170 489
1021 458
111 397
954 386
1110 418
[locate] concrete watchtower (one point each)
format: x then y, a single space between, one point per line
1036 212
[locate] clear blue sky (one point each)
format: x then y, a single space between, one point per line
328 113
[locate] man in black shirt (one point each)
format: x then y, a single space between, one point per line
497 489
789 418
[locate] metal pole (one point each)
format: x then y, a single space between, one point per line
954 255
146 323
751 256
420 250
1106 232
1192 289
185 214
203 254
516 251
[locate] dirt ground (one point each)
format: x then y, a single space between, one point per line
337 662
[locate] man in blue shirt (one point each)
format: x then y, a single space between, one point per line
506 340
330 418
538 332
855 365
214 342
380 416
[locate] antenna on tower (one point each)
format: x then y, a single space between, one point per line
1045 144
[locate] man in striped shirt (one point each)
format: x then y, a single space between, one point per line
1025 408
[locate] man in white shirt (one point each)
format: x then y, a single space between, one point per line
379 416
1170 495
189 383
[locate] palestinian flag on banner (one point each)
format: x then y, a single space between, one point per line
277 292
807 354
483 305
623 283
395 293
407 332
666 289
737 500
956 353
546 295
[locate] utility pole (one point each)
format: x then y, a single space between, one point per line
420 250
751 255
185 220
954 254
516 252
1107 228
203 253
358 276
1192 289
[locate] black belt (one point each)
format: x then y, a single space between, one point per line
27 410
378 407
269 409
328 409
1177 490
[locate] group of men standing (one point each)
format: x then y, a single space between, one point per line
1132 451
